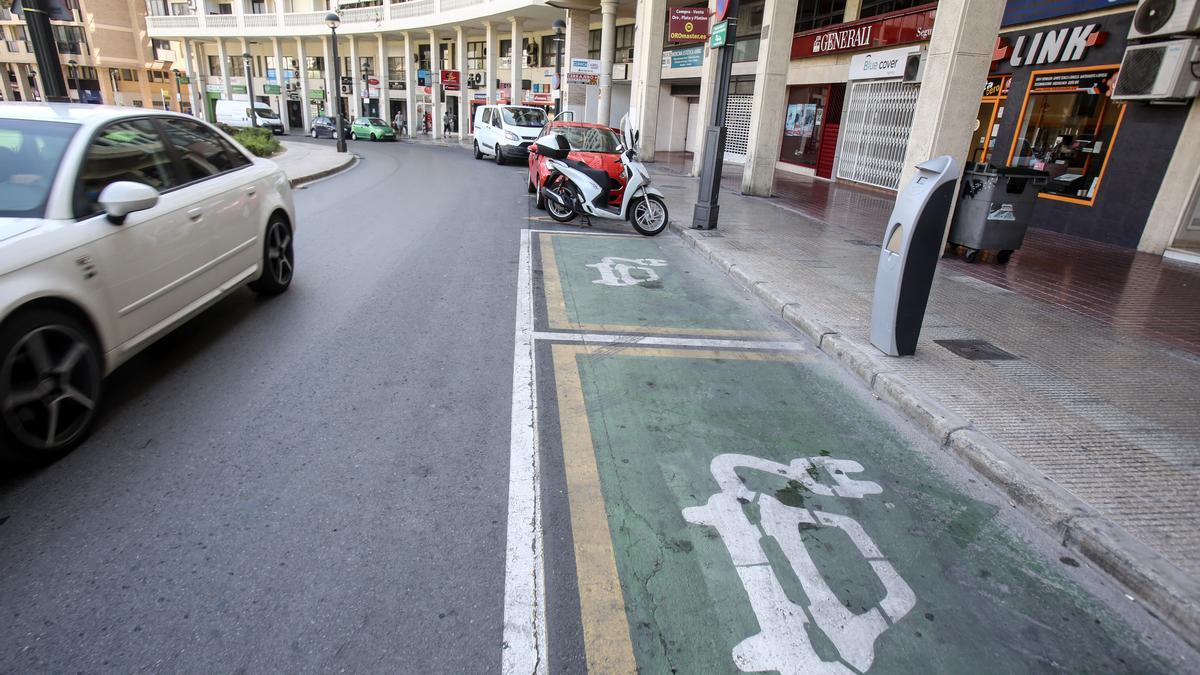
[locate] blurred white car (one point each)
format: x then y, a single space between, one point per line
117 225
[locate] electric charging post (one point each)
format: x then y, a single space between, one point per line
724 34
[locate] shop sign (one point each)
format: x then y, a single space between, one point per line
316 95
184 79
588 66
271 89
880 65
480 96
1096 81
1025 11
582 78
719 33
372 81
451 80
897 29
688 57
688 24
1061 45
997 85
215 88
238 89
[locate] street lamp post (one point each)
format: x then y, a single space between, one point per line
72 77
366 90
178 90
333 21
250 87
559 27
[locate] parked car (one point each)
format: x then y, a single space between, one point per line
116 226
323 126
237 114
596 145
372 128
506 131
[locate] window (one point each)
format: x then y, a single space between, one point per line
505 48
624 43
203 152
487 115
396 72
315 67
550 44
804 119
1067 128
131 151
29 155
161 44
156 7
812 14
214 65
258 7
70 39
476 55
589 139
366 63
877 7
125 75
225 8
237 66
533 118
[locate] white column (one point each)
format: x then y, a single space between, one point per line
516 96
410 85
196 83
1170 215
355 75
647 74
608 48
770 97
464 100
302 67
381 73
248 68
493 53
281 108
224 56
575 47
435 75
332 91
960 55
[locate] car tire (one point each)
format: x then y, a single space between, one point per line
279 261
71 372
539 201
353 136
374 138
478 154
314 133
499 155
529 186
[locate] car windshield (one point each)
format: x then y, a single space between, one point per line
590 139
524 117
30 152
266 113
375 121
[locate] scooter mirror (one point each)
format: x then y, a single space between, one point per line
553 146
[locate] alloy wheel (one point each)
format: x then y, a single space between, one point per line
280 262
52 379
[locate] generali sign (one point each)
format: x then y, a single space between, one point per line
898 28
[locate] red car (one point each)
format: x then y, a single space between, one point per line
596 145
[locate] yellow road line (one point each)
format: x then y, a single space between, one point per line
556 307
607 645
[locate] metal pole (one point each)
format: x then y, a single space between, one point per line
704 216
73 78
250 87
558 50
37 22
337 93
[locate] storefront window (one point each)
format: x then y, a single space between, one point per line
802 124
1067 128
987 123
812 14
877 7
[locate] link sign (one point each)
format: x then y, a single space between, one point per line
688 24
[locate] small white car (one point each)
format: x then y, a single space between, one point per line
507 131
116 226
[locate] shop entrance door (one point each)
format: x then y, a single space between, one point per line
692 141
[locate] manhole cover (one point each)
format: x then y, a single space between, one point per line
976 350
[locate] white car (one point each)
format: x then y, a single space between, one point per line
507 131
116 226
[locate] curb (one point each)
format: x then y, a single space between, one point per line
1166 592
344 166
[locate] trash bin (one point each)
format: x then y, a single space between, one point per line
994 208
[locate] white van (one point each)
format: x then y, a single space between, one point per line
237 114
507 131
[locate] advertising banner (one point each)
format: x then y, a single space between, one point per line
451 80
688 57
687 24
897 29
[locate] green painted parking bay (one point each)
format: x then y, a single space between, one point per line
641 285
745 511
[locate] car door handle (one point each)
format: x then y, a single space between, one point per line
250 191
195 215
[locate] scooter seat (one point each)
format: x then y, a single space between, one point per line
599 176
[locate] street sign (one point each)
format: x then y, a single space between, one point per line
722 10
719 32
688 24
238 88
271 89
183 79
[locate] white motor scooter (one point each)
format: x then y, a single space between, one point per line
574 188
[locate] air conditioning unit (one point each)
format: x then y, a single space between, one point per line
624 54
1159 71
914 67
1164 18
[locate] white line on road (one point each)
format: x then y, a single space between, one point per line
709 343
589 233
524 649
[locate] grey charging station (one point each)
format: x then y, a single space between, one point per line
912 245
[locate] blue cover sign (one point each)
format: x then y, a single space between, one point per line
689 57
1024 11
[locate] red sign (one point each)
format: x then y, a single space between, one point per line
688 24
373 81
722 9
450 80
897 28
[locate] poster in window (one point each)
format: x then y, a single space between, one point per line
801 119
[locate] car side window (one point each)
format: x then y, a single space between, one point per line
202 151
131 150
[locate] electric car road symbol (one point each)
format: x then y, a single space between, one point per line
619 271
783 643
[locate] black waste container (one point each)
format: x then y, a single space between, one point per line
994 208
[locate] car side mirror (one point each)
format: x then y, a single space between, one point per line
124 197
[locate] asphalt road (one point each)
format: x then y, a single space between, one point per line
312 482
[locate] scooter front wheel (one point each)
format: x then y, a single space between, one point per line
560 213
649 215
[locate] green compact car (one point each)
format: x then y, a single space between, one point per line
372 128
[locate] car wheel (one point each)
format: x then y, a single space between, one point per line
374 138
314 133
499 155
51 377
278 259
478 154
529 186
353 136
539 201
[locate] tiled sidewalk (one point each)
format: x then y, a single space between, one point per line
1088 402
1137 292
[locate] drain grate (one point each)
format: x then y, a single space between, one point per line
976 350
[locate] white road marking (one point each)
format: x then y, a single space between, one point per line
588 233
615 271
524 649
655 341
